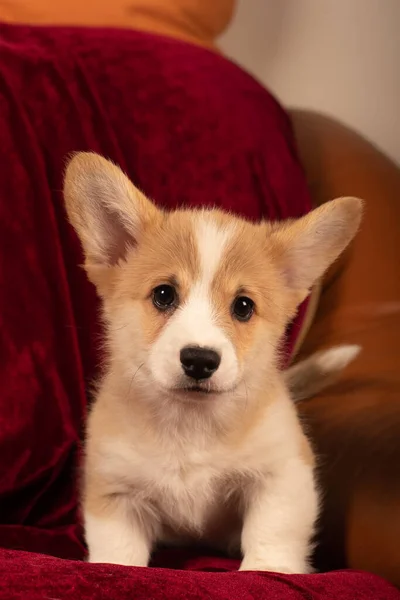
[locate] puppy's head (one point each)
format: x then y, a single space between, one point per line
196 300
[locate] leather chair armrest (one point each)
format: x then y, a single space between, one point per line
355 425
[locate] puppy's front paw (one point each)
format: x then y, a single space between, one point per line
117 560
261 564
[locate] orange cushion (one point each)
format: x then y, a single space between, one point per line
197 21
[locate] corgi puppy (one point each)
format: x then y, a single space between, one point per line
193 436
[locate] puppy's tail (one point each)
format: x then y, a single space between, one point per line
315 373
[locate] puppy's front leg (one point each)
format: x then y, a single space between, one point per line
279 520
116 532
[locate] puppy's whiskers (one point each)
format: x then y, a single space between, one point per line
133 379
119 328
247 393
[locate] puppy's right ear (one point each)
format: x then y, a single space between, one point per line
107 211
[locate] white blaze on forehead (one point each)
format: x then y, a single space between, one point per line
195 323
197 316
211 243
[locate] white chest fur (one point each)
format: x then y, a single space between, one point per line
182 486
143 488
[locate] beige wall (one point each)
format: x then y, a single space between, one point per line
341 57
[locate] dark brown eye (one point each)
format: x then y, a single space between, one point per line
243 308
164 297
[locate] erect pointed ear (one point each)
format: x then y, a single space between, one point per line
305 248
107 211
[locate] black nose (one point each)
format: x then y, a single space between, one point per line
199 363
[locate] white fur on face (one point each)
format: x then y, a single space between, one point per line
195 322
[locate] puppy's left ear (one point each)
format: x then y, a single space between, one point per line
108 213
305 248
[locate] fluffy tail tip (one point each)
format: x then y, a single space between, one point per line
337 358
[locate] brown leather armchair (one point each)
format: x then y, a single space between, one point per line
356 424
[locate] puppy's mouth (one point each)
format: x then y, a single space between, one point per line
196 390
188 389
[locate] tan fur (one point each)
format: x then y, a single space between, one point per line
245 261
229 465
178 262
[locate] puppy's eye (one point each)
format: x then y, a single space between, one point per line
164 297
243 308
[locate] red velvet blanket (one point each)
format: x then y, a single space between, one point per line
189 128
